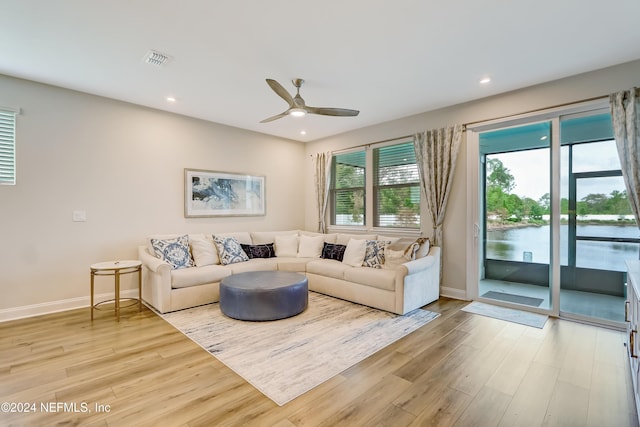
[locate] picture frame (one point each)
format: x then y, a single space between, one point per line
212 193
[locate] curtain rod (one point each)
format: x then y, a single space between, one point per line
465 125
566 104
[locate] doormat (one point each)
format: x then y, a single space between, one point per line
518 299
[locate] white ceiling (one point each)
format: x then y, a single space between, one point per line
388 59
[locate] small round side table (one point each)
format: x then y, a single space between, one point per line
116 268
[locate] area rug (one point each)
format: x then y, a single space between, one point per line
509 314
518 299
286 358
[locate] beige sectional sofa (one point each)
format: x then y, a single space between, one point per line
398 285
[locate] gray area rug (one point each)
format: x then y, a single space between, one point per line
518 299
286 358
509 314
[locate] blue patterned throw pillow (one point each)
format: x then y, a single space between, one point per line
333 251
229 250
374 254
174 251
259 251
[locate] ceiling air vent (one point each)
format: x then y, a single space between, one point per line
156 58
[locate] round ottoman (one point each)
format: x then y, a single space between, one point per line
264 295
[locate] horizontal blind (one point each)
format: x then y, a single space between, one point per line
397 188
7 147
348 188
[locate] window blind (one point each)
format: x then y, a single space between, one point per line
348 188
7 147
397 187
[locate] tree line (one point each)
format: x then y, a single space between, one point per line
501 203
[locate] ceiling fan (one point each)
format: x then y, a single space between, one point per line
297 106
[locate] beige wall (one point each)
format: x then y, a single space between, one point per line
122 164
573 89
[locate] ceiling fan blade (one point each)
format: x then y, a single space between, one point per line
282 92
276 117
343 112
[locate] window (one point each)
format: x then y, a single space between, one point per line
396 187
7 147
390 183
348 188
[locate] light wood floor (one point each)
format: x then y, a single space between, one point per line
461 369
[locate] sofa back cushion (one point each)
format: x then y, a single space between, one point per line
329 238
343 239
263 237
240 236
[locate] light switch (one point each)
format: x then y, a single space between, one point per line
79 216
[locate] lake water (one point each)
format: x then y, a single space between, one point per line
516 244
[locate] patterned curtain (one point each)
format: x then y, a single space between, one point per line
625 111
322 166
436 153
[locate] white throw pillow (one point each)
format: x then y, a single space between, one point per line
310 247
287 246
354 254
204 252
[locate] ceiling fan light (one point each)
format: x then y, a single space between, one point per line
297 112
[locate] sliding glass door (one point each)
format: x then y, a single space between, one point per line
552 224
514 221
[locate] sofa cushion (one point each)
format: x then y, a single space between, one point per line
374 253
310 246
296 264
230 250
256 264
204 251
174 251
327 267
262 237
374 277
329 238
240 236
286 245
187 277
333 251
354 254
343 239
259 251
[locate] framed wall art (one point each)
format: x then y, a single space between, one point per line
212 193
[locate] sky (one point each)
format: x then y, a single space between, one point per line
531 170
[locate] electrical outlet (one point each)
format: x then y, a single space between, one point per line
79 216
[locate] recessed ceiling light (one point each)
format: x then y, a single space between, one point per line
485 80
303 132
170 99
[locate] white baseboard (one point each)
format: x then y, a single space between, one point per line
57 306
454 293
